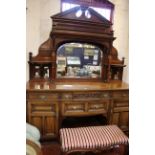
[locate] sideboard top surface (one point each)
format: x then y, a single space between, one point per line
75 86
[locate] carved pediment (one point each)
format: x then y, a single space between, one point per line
82 14
81 19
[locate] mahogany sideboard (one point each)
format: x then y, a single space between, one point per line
77 73
49 102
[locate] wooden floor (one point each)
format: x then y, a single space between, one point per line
53 148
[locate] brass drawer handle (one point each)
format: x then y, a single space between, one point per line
105 95
124 95
96 106
75 107
67 96
43 97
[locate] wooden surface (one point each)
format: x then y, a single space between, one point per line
48 108
81 86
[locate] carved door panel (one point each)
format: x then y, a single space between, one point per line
121 118
120 114
46 125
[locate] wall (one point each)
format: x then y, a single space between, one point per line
32 28
39 25
121 32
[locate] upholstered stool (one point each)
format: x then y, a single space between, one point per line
94 138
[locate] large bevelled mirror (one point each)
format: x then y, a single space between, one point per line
79 60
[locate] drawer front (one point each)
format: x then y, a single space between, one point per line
121 103
73 108
84 108
39 108
43 96
85 96
120 94
90 95
66 96
98 106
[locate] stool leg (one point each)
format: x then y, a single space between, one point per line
123 150
64 153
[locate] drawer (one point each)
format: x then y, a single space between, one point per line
99 106
43 96
120 94
90 96
66 96
120 109
105 95
121 103
73 108
37 108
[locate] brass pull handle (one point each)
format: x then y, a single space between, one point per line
67 96
96 106
124 95
74 107
43 97
105 95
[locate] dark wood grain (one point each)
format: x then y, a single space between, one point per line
68 28
47 108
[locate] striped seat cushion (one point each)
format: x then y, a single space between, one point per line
94 137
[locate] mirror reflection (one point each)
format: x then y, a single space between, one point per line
79 60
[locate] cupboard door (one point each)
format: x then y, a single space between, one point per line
120 114
49 126
121 118
46 125
37 122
